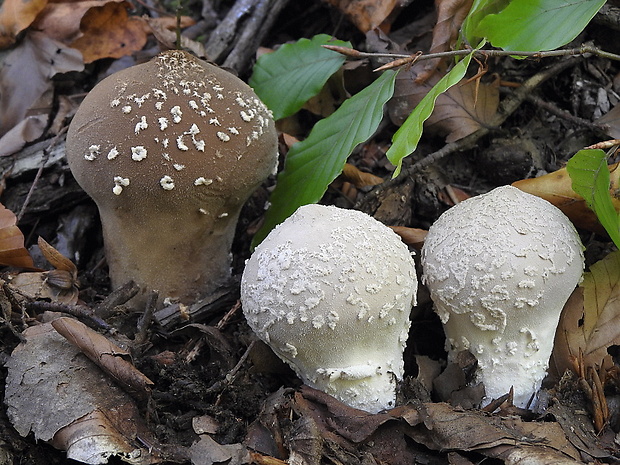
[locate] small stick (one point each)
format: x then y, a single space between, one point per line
585 49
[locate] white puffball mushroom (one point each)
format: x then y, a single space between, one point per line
330 291
499 268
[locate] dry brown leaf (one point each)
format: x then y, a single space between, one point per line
55 285
611 119
462 110
15 16
365 14
56 259
58 395
12 250
109 32
206 451
360 178
61 20
27 130
556 188
164 30
411 236
450 17
27 75
100 434
591 324
107 355
59 285
97 28
438 426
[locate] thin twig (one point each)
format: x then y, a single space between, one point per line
232 374
37 177
401 59
79 311
599 129
144 322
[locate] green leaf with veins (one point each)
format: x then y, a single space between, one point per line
312 164
287 78
590 177
406 139
528 25
479 10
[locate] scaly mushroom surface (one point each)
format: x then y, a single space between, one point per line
500 267
331 290
170 150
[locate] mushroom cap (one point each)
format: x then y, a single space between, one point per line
171 132
170 150
331 290
500 267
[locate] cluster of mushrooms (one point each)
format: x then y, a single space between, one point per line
171 149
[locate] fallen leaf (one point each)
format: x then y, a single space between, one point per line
458 112
55 392
15 16
106 354
12 250
109 32
164 30
27 130
56 259
27 74
206 451
360 178
437 426
611 119
58 285
365 14
97 28
556 188
591 324
450 17
60 20
411 236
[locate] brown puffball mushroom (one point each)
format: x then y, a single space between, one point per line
170 150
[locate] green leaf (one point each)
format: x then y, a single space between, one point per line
479 10
287 78
405 140
590 176
312 164
537 25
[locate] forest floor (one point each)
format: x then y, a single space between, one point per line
218 395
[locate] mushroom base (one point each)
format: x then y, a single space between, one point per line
168 253
362 387
518 357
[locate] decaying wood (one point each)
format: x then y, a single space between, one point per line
241 31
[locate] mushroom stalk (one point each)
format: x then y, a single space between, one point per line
500 267
170 150
331 290
183 266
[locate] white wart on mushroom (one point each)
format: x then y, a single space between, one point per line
175 125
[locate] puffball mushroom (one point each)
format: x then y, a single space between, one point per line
500 267
170 150
330 291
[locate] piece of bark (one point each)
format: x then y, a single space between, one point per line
237 37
